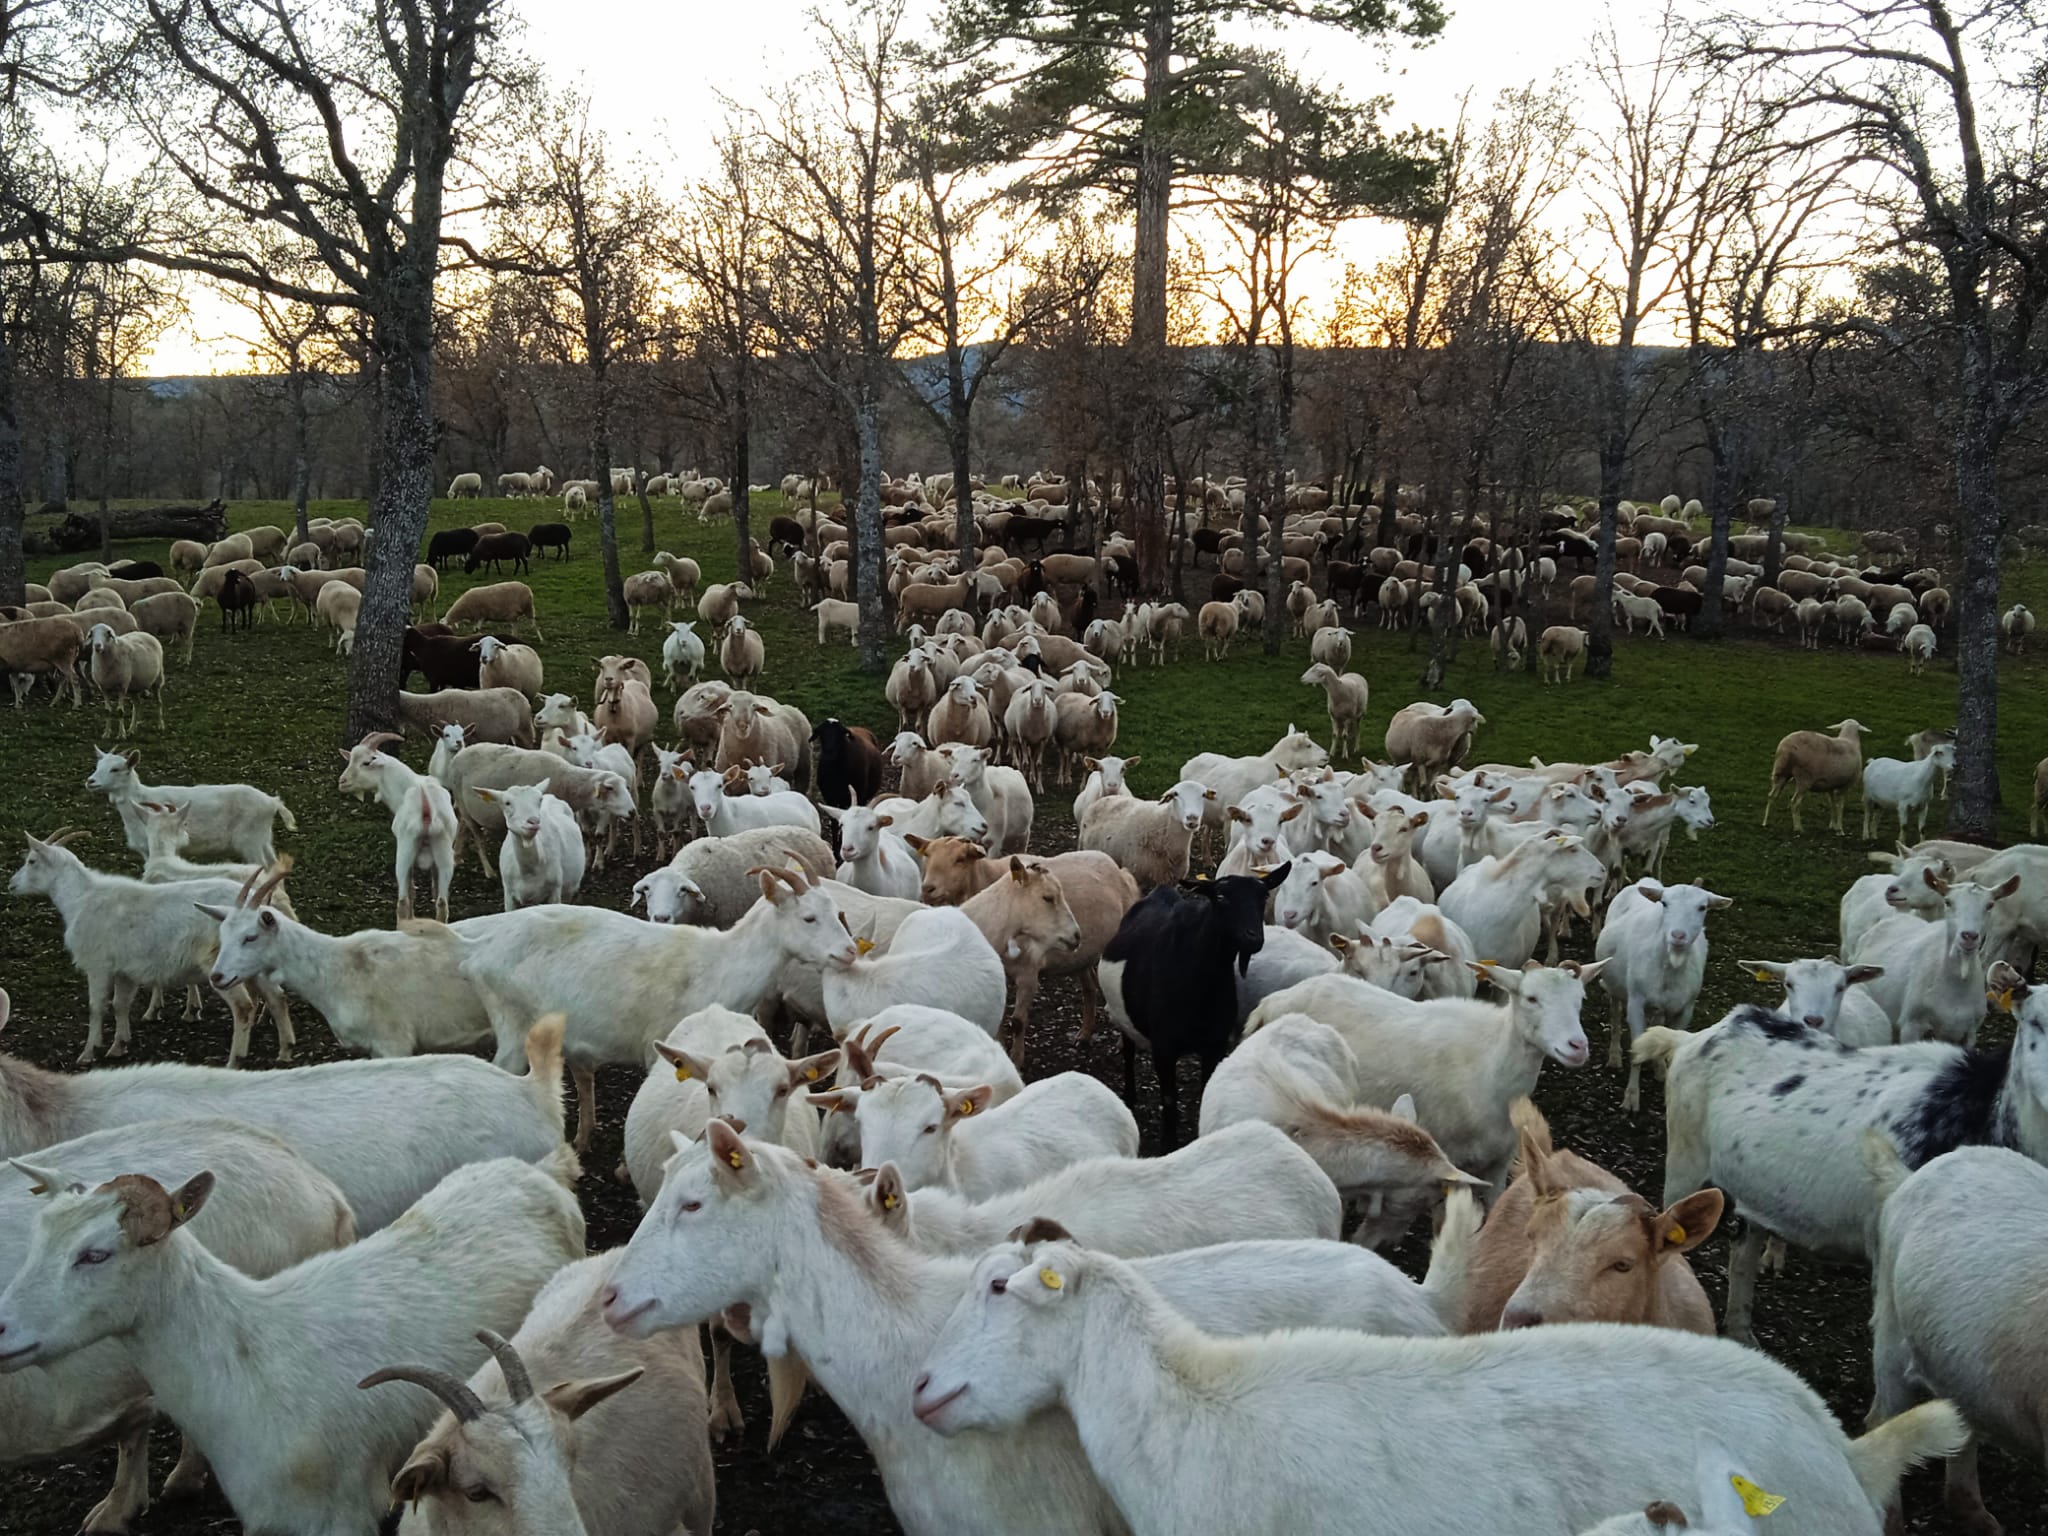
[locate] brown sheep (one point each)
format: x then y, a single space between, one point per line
1809 761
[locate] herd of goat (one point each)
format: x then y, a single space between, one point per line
365 1282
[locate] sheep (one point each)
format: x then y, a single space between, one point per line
169 616
961 715
187 555
1771 1112
338 605
935 1136
1904 788
1957 1259
1151 839
482 1244
1088 1332
1083 727
1919 646
495 547
1029 723
1464 1062
1232 778
1166 976
1570 1243
1807 761
1331 647
1432 739
563 1460
708 883
233 819
720 604
1346 694
35 647
1299 1076
1105 778
1560 647
1933 981
467 484
647 589
499 602
504 665
753 728
849 763
874 859
423 823
1655 942
493 765
1217 625
741 652
1818 994
502 716
2016 624
123 667
274 1210
541 859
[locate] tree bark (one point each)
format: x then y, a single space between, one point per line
1721 500
302 458
405 490
869 590
1600 633
1145 489
13 505
1973 788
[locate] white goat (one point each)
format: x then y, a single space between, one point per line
233 819
1655 946
541 859
873 858
422 817
1904 788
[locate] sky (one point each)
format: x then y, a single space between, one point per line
666 114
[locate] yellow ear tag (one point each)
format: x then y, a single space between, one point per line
810 1074
1761 975
682 1073
2004 1001
1052 1279
966 1107
864 946
1754 1500
736 1159
1675 1236
890 1202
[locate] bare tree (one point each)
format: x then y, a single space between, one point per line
1890 89
295 347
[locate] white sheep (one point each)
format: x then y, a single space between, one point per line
1654 944
126 668
479 1246
231 819
423 824
501 664
710 882
1150 838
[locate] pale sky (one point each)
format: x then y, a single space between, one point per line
653 69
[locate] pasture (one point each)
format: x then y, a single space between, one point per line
264 706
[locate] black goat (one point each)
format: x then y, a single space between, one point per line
849 764
1168 971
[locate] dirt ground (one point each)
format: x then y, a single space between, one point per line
1814 1316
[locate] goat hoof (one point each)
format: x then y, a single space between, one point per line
104 1521
118 1048
726 1420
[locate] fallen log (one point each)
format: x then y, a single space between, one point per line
81 530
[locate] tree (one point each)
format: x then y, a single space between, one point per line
568 220
1129 97
1888 89
840 298
294 347
335 126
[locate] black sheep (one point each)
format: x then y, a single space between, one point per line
237 600
1168 972
494 548
849 764
555 536
450 544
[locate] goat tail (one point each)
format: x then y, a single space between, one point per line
1659 1044
544 1063
1880 1458
1450 1258
1882 1162
291 822
563 1166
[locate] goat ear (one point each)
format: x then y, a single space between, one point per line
1403 1108
732 1160
970 1102
424 1474
1860 973
1689 1223
217 913
810 1069
189 1198
576 1398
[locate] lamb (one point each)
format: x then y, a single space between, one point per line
482 1244
231 819
37 647
1570 1243
1217 625
275 1209
1771 1112
1346 694
1933 981
1904 788
1919 646
125 667
502 665
712 880
684 575
720 604
1432 739
874 859
1957 1261
1168 1416
499 715
338 606
501 602
953 1139
1818 995
1655 941
541 859
2016 624
1151 839
564 1460
1807 762
1464 1062
126 934
169 616
682 654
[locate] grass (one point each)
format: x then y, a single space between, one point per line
266 707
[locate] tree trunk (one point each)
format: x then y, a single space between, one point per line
646 505
1721 501
1145 488
405 490
615 610
1774 550
742 473
869 565
1973 788
302 460
13 506
1600 633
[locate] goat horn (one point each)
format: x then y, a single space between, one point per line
463 1403
58 838
378 738
263 891
242 896
516 1380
